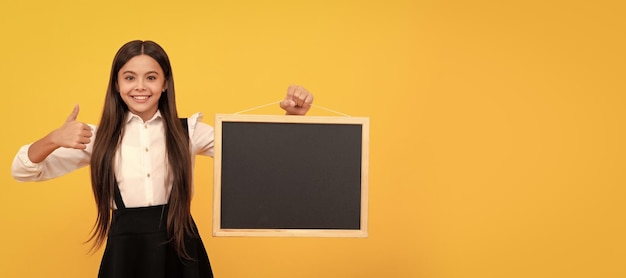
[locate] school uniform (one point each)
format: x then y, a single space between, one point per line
137 241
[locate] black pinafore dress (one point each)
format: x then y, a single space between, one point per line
137 246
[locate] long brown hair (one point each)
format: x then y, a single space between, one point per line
108 140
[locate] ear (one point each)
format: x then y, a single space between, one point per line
164 87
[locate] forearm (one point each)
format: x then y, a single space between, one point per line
61 151
38 151
58 163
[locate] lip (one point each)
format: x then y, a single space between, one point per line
140 98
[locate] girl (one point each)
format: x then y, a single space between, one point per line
141 157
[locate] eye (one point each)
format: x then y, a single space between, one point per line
129 77
152 77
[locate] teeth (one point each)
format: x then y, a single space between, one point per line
140 97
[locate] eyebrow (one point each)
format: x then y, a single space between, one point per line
132 72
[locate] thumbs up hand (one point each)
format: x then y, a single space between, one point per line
72 134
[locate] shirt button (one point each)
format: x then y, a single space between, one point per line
145 125
148 175
146 149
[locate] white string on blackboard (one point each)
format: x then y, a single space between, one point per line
276 102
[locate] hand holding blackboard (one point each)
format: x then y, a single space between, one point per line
298 100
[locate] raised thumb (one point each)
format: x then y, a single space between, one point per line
72 117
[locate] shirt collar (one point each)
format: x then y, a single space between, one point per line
131 116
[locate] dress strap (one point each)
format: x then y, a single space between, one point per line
117 196
185 125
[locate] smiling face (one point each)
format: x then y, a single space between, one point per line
140 83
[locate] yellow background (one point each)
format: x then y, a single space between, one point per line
497 127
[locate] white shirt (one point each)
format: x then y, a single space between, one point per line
140 166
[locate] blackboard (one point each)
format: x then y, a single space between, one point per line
290 176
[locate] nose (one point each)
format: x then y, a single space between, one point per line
140 85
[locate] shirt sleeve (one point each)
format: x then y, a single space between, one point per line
60 162
201 135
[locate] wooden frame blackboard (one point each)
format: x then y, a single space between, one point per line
290 176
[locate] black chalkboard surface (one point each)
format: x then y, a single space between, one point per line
290 176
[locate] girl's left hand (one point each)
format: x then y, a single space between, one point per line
298 101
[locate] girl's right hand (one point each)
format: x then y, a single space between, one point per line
73 134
